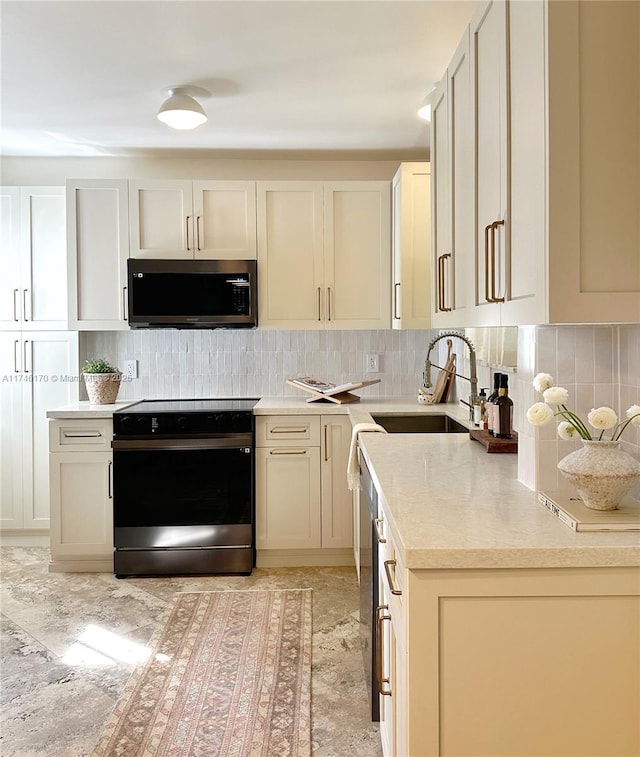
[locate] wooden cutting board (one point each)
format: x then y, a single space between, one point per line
445 376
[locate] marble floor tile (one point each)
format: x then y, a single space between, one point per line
69 643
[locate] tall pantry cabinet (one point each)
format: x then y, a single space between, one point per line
38 358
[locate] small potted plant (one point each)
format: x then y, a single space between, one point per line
102 381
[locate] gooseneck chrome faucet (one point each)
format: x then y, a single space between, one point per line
473 379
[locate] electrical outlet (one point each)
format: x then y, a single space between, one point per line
131 369
371 362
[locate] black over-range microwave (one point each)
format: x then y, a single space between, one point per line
184 294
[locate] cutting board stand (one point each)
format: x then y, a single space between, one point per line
340 396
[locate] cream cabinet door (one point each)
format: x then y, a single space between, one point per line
42 371
454 270
337 515
10 279
225 220
288 498
290 255
34 259
11 514
357 255
411 247
81 505
575 170
50 366
98 248
489 85
161 219
44 258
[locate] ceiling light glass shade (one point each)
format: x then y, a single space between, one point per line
181 111
425 112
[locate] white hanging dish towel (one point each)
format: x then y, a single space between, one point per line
353 469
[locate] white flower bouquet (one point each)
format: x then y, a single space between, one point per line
571 426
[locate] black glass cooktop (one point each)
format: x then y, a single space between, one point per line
156 407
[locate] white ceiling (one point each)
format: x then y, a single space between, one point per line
85 77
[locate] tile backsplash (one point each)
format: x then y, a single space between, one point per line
247 363
598 365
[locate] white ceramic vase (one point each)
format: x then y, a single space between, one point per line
102 388
601 472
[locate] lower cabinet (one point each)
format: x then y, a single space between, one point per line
80 471
508 661
302 499
391 652
38 371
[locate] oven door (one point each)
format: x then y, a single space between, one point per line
183 493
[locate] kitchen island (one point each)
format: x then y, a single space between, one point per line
504 631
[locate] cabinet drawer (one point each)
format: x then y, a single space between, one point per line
80 435
288 430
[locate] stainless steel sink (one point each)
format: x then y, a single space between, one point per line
419 424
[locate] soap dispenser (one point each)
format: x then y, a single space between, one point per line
483 409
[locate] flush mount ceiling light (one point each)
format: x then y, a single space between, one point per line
424 111
180 110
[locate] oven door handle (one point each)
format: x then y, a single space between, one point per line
244 442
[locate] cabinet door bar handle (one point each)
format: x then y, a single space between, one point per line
443 307
71 435
319 300
188 219
24 304
24 353
329 303
16 292
383 683
487 296
391 579
395 301
288 430
124 303
16 350
110 479
198 232
288 452
377 522
494 226
326 443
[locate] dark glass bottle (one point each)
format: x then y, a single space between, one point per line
490 405
503 413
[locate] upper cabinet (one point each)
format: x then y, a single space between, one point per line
324 254
554 104
33 264
193 219
575 163
452 226
490 141
411 247
98 248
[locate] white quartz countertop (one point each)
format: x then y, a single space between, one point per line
84 409
450 504
360 412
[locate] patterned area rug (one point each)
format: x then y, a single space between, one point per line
229 675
